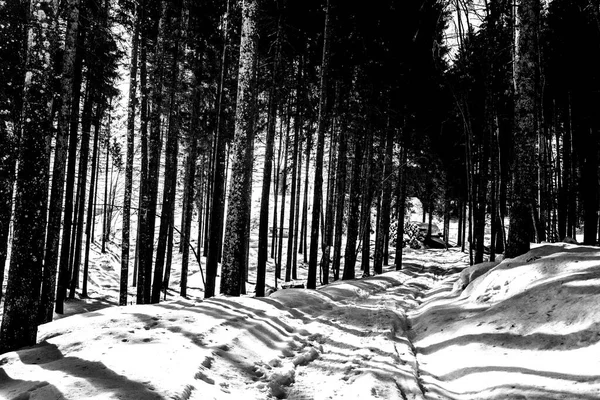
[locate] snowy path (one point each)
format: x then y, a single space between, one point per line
527 328
365 349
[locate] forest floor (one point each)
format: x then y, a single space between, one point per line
524 328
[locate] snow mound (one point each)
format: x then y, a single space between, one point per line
527 328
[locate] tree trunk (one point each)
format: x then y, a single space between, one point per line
311 282
293 205
353 216
526 125
236 228
21 306
132 103
65 249
170 172
340 198
142 239
215 213
365 210
401 200
58 171
86 126
263 229
91 212
284 187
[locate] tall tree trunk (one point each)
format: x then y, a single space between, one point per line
275 234
58 171
297 218
91 203
311 282
284 188
86 125
340 198
65 249
386 205
353 216
293 206
170 172
105 219
303 233
401 201
13 35
132 103
21 306
8 144
365 209
190 178
142 239
236 228
154 148
526 125
263 229
216 212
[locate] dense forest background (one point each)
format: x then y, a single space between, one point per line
154 114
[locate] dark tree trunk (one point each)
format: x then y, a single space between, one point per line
304 233
215 213
353 215
263 229
58 171
132 103
293 206
297 218
86 126
284 186
526 126
142 240
65 249
340 198
236 228
365 209
91 202
401 200
172 150
154 149
311 282
21 306
8 145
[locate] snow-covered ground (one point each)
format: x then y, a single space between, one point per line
527 328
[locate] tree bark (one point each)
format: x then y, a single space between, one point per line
236 228
132 103
21 306
58 172
311 282
526 125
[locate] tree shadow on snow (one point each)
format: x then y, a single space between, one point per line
96 373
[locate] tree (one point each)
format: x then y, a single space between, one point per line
58 172
129 162
263 229
526 126
321 126
237 228
20 319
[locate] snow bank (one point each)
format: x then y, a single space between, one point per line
527 328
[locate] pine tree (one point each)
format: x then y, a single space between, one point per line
21 307
236 228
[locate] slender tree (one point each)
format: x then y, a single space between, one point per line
132 104
321 127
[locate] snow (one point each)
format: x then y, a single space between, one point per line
523 328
